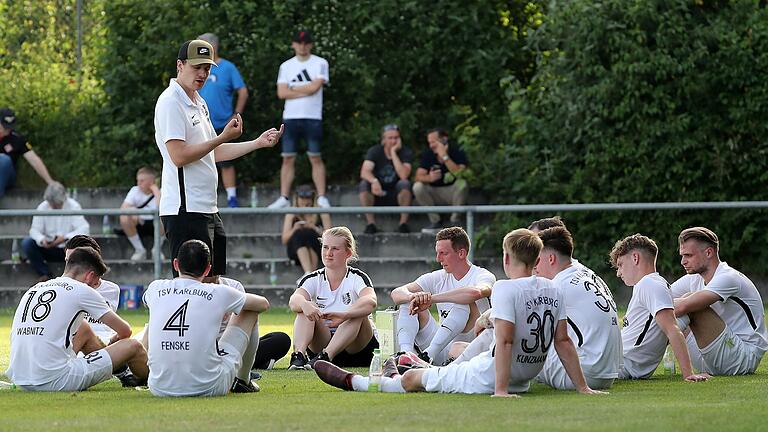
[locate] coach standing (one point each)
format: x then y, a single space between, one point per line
190 149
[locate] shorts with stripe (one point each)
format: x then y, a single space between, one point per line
82 373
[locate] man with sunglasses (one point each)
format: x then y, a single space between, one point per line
384 177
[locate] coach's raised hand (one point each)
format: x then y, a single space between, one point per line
233 129
269 137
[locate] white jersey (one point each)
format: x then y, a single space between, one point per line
339 300
137 198
297 73
740 305
232 284
192 187
535 306
46 319
184 320
110 292
644 341
439 281
593 324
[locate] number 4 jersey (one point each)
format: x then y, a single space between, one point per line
47 318
184 320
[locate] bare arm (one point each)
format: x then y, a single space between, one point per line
119 325
366 172
695 302
404 294
284 92
287 228
364 305
502 360
38 165
402 169
463 295
242 97
665 318
326 219
255 303
422 175
230 151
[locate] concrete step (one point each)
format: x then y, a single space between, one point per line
244 246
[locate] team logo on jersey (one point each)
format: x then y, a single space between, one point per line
346 299
444 314
195 120
625 323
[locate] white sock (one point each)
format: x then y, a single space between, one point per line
407 328
480 344
450 327
136 242
683 322
244 373
231 192
359 383
392 385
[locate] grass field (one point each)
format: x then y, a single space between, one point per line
297 400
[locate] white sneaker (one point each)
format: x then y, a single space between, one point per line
162 256
139 255
323 202
279 203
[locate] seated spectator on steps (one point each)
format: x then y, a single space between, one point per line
436 178
145 195
13 145
49 234
384 177
301 232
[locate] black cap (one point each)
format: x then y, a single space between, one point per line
7 118
303 36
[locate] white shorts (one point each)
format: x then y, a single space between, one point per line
477 376
83 373
234 341
554 375
726 355
425 335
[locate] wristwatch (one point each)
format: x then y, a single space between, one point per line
445 158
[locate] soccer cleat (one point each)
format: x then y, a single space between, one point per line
425 356
321 356
279 203
403 228
322 201
128 379
298 361
408 360
138 255
370 229
433 228
389 368
241 386
334 375
232 202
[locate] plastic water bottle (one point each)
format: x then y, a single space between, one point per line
4 385
106 226
73 193
15 254
669 361
254 197
374 373
272 273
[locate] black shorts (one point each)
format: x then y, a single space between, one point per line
358 359
146 229
303 237
207 228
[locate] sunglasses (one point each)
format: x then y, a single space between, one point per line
390 127
305 194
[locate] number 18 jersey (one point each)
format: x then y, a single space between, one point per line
184 320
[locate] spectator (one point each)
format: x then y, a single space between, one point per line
145 195
223 81
436 178
301 231
384 177
300 82
14 145
49 234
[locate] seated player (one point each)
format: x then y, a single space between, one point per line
529 316
185 356
48 332
145 195
593 324
460 290
332 306
727 320
650 321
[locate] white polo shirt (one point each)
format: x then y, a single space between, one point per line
192 187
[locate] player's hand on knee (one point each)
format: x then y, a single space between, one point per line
334 319
312 312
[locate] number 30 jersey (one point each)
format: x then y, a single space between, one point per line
535 306
47 318
184 320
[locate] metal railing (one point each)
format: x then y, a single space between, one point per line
469 212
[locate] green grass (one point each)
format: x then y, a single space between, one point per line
297 400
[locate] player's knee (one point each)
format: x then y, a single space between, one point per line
456 349
411 381
315 159
289 161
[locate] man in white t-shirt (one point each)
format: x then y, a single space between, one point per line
461 292
186 356
529 317
190 149
650 321
145 195
593 324
48 331
727 320
300 82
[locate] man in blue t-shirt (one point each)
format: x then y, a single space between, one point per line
222 83
436 178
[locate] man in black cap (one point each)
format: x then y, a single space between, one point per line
190 149
14 145
300 83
